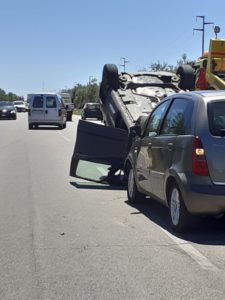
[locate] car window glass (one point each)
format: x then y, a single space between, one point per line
216 116
177 120
155 118
38 102
50 102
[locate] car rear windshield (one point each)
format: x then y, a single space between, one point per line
216 116
93 106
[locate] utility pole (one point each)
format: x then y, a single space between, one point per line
124 63
203 30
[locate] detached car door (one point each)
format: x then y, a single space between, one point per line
99 151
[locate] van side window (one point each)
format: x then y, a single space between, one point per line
50 102
38 102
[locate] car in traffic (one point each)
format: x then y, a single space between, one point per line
91 110
176 157
69 105
7 110
46 109
20 106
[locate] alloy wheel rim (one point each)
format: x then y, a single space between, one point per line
175 206
131 182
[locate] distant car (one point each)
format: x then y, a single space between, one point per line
176 156
91 110
69 105
7 110
20 106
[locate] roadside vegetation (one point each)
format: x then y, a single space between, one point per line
8 96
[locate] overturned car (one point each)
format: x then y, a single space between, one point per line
126 99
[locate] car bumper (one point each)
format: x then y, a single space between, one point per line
7 115
92 115
21 109
203 198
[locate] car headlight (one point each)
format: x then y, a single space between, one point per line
4 110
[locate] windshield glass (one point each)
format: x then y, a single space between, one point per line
6 103
18 102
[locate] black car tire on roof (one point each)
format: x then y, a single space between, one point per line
133 194
181 220
110 76
187 77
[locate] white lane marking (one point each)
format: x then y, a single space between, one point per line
64 137
192 252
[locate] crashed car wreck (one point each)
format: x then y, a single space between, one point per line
126 100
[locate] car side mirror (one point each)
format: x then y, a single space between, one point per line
136 130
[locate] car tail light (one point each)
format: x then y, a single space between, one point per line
199 163
60 112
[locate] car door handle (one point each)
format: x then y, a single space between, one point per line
170 146
81 155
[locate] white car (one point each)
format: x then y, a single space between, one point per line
20 106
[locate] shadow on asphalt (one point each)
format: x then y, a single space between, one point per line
207 231
96 186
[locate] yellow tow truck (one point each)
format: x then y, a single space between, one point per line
208 72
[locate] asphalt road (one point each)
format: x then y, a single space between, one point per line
66 238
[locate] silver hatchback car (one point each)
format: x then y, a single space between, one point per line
178 157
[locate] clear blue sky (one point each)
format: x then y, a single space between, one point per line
54 44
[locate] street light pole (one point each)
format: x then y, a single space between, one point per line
203 30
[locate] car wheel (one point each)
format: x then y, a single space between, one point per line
64 125
187 77
110 76
181 220
69 117
133 194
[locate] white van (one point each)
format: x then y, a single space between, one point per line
46 109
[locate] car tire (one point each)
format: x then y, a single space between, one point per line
30 126
133 194
69 117
181 220
187 77
64 125
110 77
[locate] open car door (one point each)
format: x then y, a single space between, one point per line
99 151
